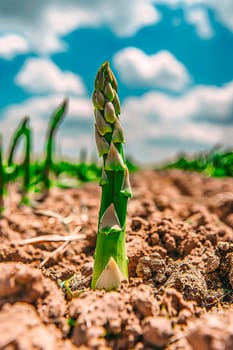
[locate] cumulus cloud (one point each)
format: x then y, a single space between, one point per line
12 45
198 119
222 10
40 108
198 17
45 22
213 103
41 75
161 70
207 102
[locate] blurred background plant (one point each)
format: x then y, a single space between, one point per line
218 162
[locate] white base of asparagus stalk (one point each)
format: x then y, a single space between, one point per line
111 277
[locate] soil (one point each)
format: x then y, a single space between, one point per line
180 250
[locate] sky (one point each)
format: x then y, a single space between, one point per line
173 60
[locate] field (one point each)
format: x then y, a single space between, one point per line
180 250
63 237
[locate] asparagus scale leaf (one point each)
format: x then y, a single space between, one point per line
111 263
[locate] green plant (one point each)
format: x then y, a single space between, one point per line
111 264
2 178
20 130
55 121
13 169
23 130
26 163
216 162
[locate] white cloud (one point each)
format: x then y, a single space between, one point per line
199 18
41 75
209 102
12 45
42 107
45 22
161 70
214 103
198 119
223 11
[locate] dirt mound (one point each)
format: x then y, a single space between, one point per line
180 249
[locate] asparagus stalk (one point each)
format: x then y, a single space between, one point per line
15 139
26 163
55 120
111 264
2 178
22 130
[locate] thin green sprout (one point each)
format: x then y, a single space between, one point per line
26 164
55 121
2 179
23 130
15 139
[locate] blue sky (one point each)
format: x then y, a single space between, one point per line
172 58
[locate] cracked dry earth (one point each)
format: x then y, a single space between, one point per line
180 249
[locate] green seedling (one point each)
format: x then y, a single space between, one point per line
20 130
26 164
111 263
2 179
23 130
12 169
55 121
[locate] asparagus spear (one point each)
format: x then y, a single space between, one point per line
15 139
111 264
2 178
56 119
26 163
23 130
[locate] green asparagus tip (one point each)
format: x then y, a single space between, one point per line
25 121
65 102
